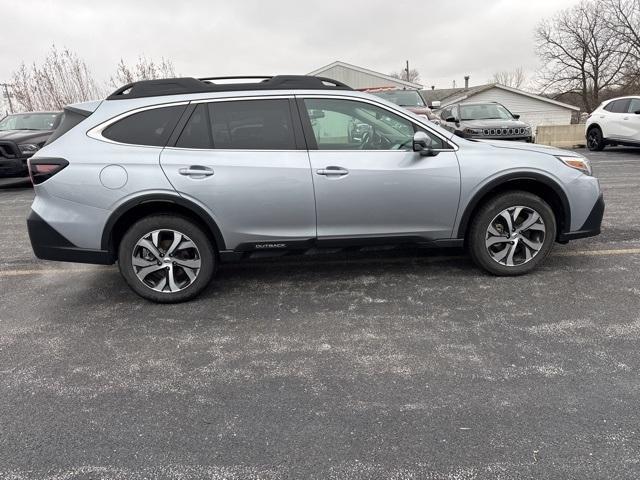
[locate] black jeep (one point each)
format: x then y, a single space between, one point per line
21 135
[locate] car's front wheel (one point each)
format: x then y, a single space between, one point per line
166 258
595 140
512 233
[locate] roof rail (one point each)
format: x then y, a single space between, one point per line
176 86
244 77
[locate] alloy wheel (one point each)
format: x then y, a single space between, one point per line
166 260
515 236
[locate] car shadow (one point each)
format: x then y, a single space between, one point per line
258 275
8 183
620 150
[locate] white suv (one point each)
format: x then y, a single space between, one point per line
614 122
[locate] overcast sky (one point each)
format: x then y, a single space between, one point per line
443 39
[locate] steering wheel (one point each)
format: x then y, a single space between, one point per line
374 140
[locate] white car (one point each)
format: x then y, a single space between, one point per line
614 122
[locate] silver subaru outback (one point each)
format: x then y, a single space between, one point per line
168 178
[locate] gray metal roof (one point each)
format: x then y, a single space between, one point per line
448 96
389 78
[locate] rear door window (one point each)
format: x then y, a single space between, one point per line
150 127
634 106
197 131
618 106
252 125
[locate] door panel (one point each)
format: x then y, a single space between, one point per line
255 196
633 121
241 159
395 193
368 181
616 123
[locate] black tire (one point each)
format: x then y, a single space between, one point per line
204 251
595 140
478 232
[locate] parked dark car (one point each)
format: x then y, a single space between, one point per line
22 135
406 98
489 121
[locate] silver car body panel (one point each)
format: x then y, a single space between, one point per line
253 195
386 193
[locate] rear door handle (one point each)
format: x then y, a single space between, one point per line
332 171
196 170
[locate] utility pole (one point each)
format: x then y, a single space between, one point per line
407 71
7 95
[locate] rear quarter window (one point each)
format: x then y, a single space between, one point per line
150 127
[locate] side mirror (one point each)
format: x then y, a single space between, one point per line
516 116
423 144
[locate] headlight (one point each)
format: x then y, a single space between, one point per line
28 148
473 131
579 163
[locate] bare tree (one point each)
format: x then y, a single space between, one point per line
581 53
510 78
6 105
144 69
413 76
62 79
624 20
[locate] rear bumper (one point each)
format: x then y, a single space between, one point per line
48 244
591 226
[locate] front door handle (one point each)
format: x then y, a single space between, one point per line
196 170
332 171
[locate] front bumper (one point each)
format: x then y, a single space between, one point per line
13 167
518 138
48 244
591 226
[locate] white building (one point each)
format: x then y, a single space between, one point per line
533 109
358 77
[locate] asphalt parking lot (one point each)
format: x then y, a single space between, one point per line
395 364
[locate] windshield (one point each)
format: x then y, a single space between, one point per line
484 112
404 98
29 121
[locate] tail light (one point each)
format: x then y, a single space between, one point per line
41 169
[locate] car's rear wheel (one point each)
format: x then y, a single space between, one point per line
166 258
595 140
512 233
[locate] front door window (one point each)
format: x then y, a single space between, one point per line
350 125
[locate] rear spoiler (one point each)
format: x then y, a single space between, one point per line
85 108
73 115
